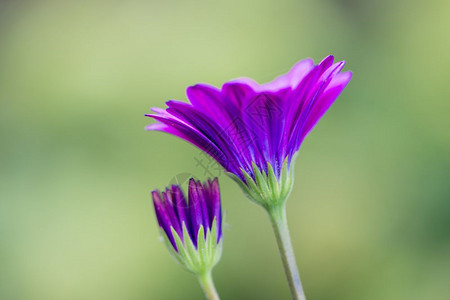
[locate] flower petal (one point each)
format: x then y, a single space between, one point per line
331 93
164 220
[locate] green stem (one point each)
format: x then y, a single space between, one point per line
278 218
208 287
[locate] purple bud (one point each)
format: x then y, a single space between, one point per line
203 205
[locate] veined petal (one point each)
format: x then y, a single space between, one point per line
299 71
195 208
215 210
210 101
210 129
330 94
290 79
188 133
203 204
164 220
170 210
237 93
181 207
325 75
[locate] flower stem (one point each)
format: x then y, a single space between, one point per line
278 218
208 287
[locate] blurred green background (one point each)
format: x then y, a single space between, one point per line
370 210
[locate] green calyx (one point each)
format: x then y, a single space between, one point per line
267 189
201 259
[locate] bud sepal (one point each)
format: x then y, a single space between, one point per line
198 259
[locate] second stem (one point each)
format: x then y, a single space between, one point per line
278 218
208 287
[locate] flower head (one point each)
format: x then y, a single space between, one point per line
254 130
192 228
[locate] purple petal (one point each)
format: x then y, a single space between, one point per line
181 207
203 206
195 209
170 210
188 133
210 101
331 93
299 71
163 218
290 79
298 132
215 208
210 129
237 93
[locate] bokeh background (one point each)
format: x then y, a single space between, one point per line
370 210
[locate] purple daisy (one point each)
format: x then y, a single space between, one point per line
255 129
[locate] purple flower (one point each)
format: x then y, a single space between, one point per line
254 130
202 212
245 122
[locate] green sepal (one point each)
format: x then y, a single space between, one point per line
169 246
201 246
261 180
198 259
266 189
273 183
